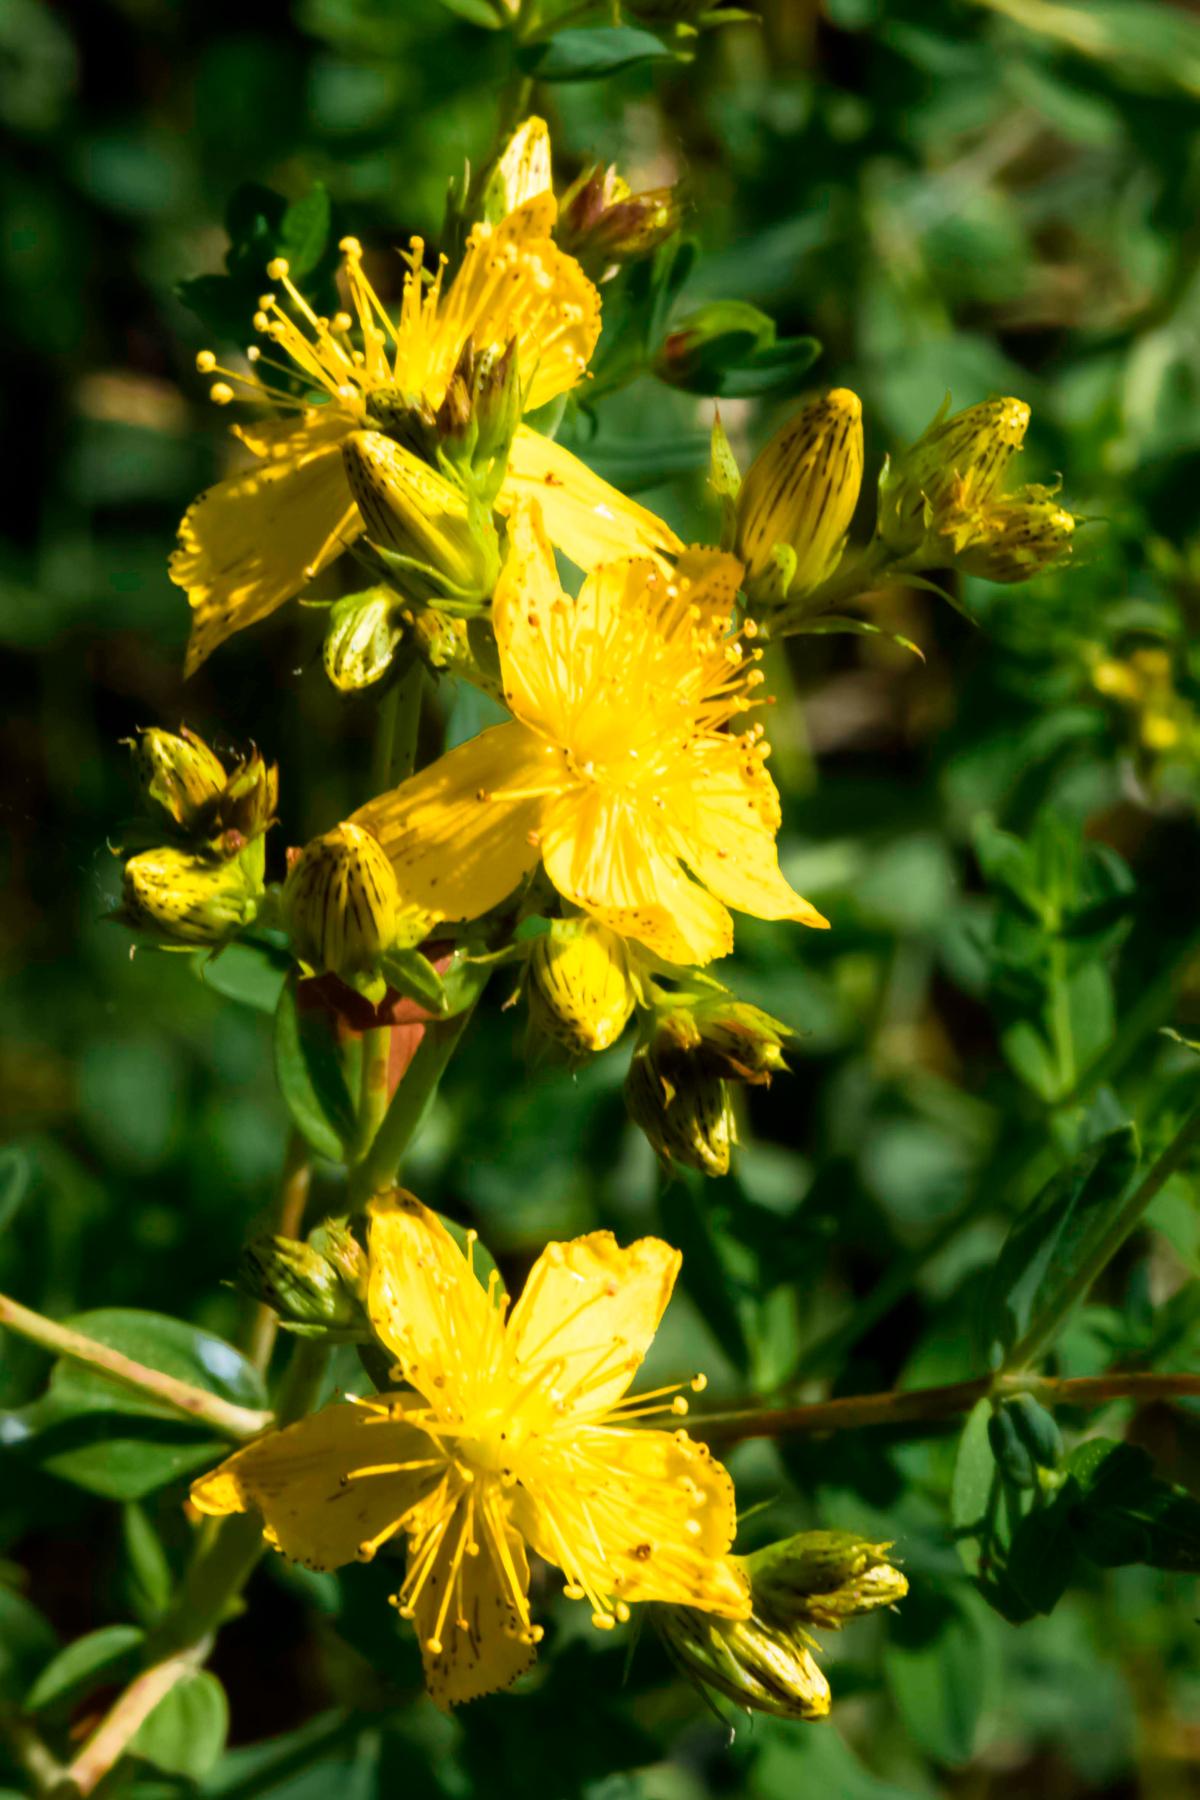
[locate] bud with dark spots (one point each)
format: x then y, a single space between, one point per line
343 909
821 1578
728 1038
796 502
314 1291
434 537
684 1110
580 988
957 464
601 221
364 632
745 1660
179 774
184 900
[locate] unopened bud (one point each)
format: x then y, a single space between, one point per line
601 221
685 17
343 910
684 1111
716 337
798 498
821 1578
728 1038
580 992
179 774
299 1283
362 637
335 1241
439 544
746 1660
185 900
522 171
246 808
958 462
1006 540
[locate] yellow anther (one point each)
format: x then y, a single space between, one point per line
220 393
699 1383
350 246
206 362
277 268
679 1406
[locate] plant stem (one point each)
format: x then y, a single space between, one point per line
385 735
933 1404
1129 1217
27 1748
378 1169
194 1403
373 1094
408 694
263 1323
181 1642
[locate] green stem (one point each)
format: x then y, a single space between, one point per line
378 1169
1062 1034
28 1749
373 1094
409 691
1172 1159
385 735
288 1220
194 1403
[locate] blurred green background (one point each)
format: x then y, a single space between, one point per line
951 197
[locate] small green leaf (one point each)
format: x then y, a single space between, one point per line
304 231
108 1656
826 624
150 1583
591 54
1053 1238
27 1643
974 1478
1042 1558
16 1178
477 11
685 1224
186 1732
310 1075
415 976
937 1666
251 971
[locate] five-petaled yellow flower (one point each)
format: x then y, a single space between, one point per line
617 770
252 542
517 1434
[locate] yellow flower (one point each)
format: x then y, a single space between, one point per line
581 987
616 772
517 1435
252 542
956 464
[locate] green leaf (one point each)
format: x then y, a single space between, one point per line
304 231
251 971
113 1440
974 1479
777 370
415 976
1042 1558
186 1732
685 1224
105 1657
1053 1238
16 1178
477 11
827 624
938 1667
310 1075
27 1643
591 54
150 1583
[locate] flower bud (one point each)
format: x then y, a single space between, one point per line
335 1241
685 17
798 498
728 1038
304 1286
821 1578
959 462
343 910
179 774
184 900
746 1660
580 991
600 221
684 1111
246 808
440 545
522 171
361 639
716 337
478 419
1005 540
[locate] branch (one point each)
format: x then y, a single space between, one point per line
194 1403
932 1404
127 1716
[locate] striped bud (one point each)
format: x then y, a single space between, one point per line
580 992
1007 540
798 498
746 1660
728 1038
601 221
179 774
522 172
362 637
438 544
957 464
297 1282
821 1578
342 907
684 1111
184 900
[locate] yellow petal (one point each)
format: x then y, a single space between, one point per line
424 1300
723 822
524 168
596 1307
529 612
484 1642
590 521
602 852
635 1514
463 833
297 1480
252 542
